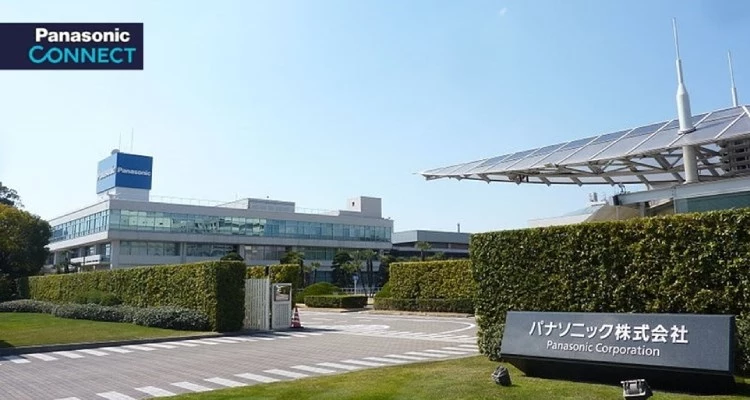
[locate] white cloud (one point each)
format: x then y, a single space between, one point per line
503 11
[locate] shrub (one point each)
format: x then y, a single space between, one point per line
214 288
280 273
425 305
93 312
316 289
336 301
172 318
686 263
385 292
444 279
97 297
27 306
6 288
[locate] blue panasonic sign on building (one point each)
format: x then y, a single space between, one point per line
124 170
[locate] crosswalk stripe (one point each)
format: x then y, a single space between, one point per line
313 369
115 396
365 363
161 345
288 374
454 353
43 357
311 333
263 337
155 391
225 382
117 350
277 336
257 378
68 354
191 386
388 360
220 340
460 349
185 344
138 347
413 358
243 339
200 341
469 346
16 359
69 398
433 355
94 352
340 366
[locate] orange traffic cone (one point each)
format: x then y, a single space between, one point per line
295 320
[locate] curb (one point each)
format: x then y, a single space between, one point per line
421 313
333 310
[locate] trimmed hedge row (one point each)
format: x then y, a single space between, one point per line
425 305
280 273
444 279
316 289
336 301
687 263
157 317
214 288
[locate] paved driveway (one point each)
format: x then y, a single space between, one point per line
331 343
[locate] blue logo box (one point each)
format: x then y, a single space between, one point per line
71 46
125 171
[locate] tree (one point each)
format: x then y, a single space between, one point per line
232 256
437 256
341 277
312 269
23 241
384 270
9 197
422 246
292 257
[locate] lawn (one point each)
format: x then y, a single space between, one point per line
29 329
466 378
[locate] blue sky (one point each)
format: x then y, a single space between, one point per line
318 101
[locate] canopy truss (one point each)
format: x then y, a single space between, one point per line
650 154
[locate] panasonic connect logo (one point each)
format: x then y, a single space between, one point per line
120 170
71 46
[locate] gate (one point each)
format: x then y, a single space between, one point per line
267 307
281 311
257 304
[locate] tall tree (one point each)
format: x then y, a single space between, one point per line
422 246
292 257
9 197
341 276
23 241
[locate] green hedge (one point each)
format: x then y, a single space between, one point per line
6 288
214 288
280 273
444 279
425 305
336 301
316 289
687 263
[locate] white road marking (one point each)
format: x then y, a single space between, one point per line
257 378
43 357
191 386
117 350
365 363
243 339
68 354
469 346
199 341
16 359
186 344
413 358
93 352
161 345
69 398
288 374
225 382
290 334
313 369
264 337
340 366
388 360
155 391
115 396
137 347
220 340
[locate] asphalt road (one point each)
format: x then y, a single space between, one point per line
331 343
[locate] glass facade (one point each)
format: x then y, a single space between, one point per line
87 225
208 249
261 252
148 221
715 202
140 248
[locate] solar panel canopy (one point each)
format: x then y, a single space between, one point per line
649 154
